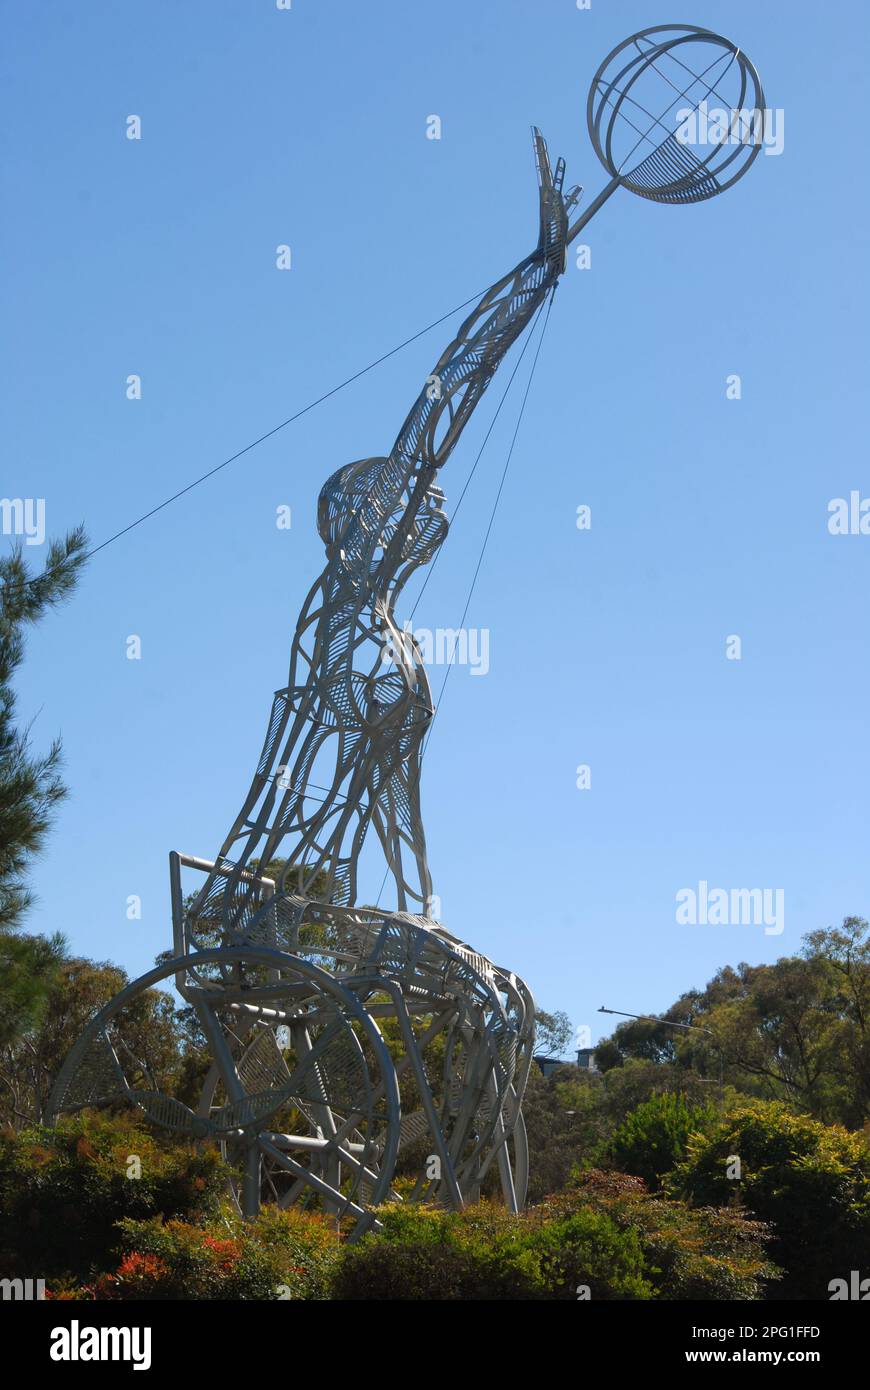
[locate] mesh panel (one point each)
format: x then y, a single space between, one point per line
412 1128
343 1072
98 1076
673 174
263 1067
167 1111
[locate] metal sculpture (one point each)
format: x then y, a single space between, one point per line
293 982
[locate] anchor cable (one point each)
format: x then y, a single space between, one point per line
146 516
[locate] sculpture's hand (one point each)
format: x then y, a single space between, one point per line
555 206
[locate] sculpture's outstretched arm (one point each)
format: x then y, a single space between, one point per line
468 364
463 372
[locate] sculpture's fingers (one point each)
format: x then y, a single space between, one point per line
542 160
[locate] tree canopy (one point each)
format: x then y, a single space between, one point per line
30 782
796 1030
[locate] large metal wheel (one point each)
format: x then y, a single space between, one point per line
302 1092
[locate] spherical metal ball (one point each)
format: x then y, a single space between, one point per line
676 113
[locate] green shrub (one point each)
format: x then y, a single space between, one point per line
485 1253
587 1251
62 1191
278 1255
808 1180
654 1137
705 1254
424 1253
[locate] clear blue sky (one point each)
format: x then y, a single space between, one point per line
157 257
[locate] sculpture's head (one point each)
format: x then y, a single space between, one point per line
344 495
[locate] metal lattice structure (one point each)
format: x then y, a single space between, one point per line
294 983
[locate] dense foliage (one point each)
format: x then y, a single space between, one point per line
605 1237
573 1115
808 1180
280 1255
103 1210
63 1191
654 1137
485 1253
797 1030
30 783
